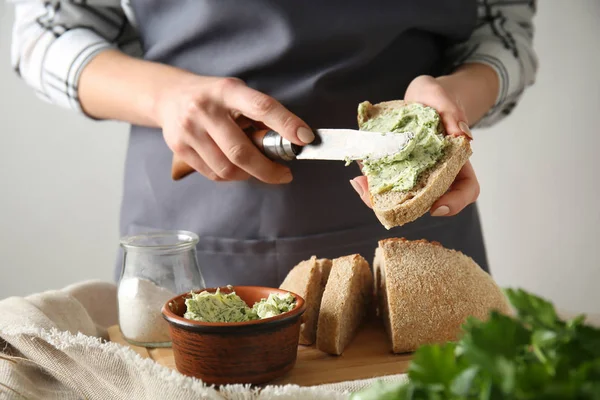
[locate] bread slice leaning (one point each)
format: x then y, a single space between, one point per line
426 292
398 208
308 280
345 303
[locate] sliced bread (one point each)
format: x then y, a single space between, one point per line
345 303
426 292
308 280
398 208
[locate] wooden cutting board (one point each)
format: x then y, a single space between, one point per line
368 356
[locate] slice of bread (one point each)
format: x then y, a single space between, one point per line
426 292
345 303
398 208
308 280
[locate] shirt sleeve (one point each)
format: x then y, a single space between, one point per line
502 39
53 41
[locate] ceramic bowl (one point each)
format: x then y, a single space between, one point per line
251 352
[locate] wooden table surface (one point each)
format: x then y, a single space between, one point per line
368 356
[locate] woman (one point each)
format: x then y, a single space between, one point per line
292 66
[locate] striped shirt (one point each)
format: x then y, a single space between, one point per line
53 41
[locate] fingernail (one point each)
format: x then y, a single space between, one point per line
286 178
357 187
440 211
305 135
465 128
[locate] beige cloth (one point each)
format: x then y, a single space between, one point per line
53 346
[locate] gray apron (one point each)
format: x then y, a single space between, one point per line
320 59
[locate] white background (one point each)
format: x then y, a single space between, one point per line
61 176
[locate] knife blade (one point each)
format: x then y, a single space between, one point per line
350 144
329 144
334 145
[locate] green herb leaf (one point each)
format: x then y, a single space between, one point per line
463 384
533 310
500 336
434 365
534 356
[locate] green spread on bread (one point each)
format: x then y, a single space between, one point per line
229 307
401 172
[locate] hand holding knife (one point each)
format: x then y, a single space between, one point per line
329 144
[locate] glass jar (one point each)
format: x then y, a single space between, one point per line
156 267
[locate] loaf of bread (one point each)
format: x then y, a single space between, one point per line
426 292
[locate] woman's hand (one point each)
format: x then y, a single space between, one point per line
198 120
474 85
196 114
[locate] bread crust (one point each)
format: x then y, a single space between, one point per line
427 292
399 208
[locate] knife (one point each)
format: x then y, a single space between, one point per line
329 144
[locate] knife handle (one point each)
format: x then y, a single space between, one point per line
269 142
275 146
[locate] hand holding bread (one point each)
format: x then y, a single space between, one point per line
446 188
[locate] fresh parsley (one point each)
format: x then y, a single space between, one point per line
534 355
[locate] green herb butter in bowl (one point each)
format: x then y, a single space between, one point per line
235 334
229 307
